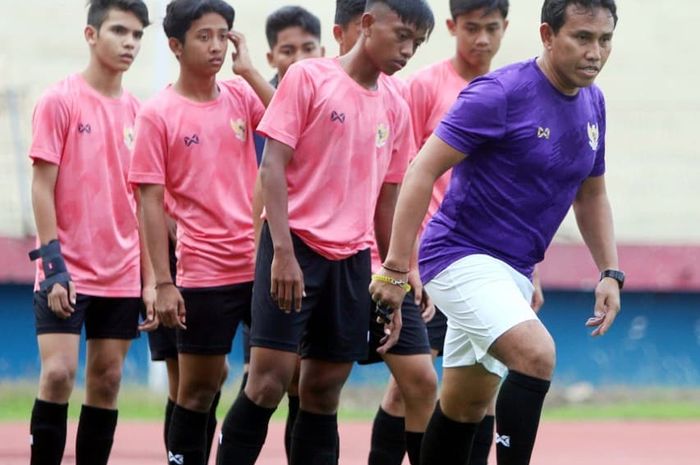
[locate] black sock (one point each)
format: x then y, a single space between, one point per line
95 435
413 446
166 425
446 442
187 436
388 444
518 410
243 432
48 432
244 381
315 439
289 427
211 426
482 442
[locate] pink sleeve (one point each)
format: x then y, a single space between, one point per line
256 108
286 116
403 148
417 100
50 126
148 162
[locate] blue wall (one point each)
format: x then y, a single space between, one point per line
655 341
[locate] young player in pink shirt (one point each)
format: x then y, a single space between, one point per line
88 260
338 146
409 360
194 144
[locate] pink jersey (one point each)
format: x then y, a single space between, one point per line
433 90
347 142
203 153
89 136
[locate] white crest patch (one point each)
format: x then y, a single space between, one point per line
593 135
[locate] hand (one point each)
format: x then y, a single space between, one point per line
149 301
607 306
170 307
62 301
388 294
422 299
287 282
392 330
242 64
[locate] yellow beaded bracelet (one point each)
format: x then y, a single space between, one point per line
396 282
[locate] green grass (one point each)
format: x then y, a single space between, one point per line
137 403
633 410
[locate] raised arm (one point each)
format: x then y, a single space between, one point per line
243 66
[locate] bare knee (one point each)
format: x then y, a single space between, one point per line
266 390
56 382
529 349
103 384
420 389
198 395
320 386
537 360
320 395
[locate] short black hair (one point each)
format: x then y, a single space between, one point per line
98 10
180 14
460 7
554 11
291 16
347 10
415 12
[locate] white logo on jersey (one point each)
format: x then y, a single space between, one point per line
239 128
175 459
382 135
593 135
503 440
543 133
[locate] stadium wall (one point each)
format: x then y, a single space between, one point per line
654 342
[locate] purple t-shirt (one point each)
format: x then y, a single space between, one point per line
529 149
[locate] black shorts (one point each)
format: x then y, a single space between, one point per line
333 321
413 339
103 317
162 343
246 344
437 327
212 316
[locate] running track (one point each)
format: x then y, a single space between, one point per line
566 443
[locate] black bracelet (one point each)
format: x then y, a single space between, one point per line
394 270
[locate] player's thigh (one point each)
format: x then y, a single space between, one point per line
213 314
337 330
320 384
415 376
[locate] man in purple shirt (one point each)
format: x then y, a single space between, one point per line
525 143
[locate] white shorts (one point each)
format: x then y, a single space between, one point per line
482 297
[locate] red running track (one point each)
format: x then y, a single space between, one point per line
559 443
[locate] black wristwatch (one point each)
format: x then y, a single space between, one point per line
617 275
